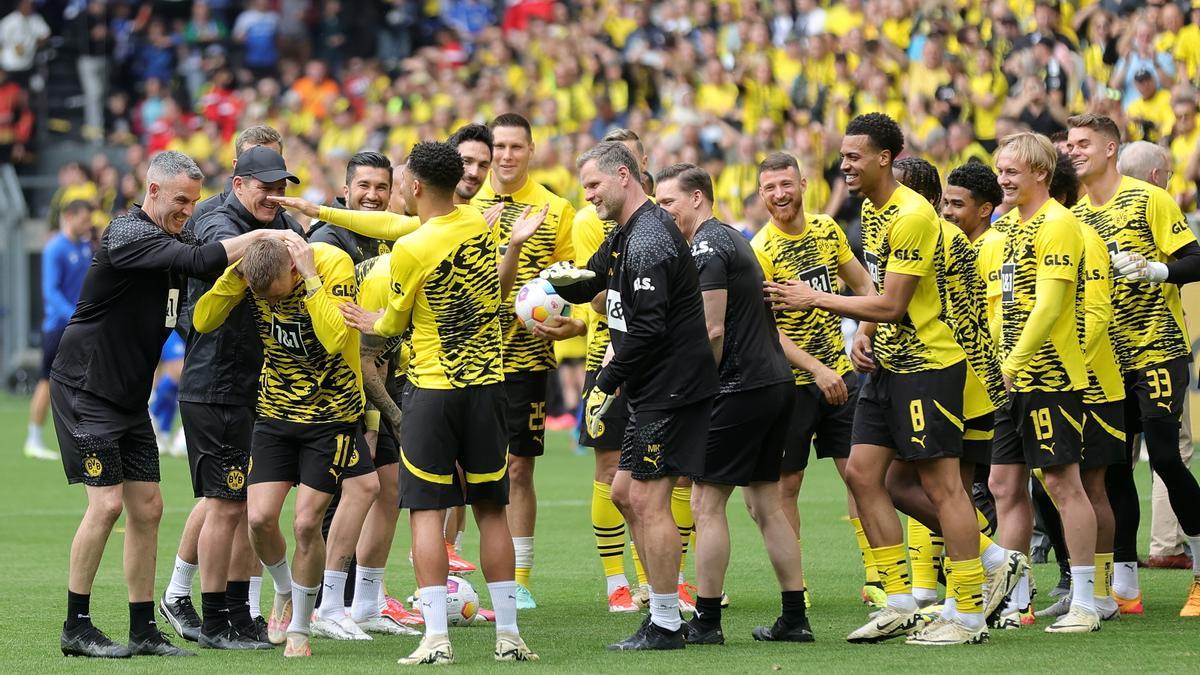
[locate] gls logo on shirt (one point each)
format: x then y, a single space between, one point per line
1063 260
614 309
288 335
643 284
701 247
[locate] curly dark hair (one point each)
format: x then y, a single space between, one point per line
471 132
1064 182
978 179
437 165
921 176
883 131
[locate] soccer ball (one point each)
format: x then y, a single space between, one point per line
538 301
462 602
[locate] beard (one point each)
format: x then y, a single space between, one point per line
610 207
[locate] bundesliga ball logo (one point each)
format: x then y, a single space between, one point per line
462 602
537 301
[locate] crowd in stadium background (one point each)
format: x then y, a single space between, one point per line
719 83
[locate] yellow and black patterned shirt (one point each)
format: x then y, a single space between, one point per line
311 371
523 352
1047 246
967 316
445 286
989 252
1105 383
814 257
1148 318
374 277
588 232
904 236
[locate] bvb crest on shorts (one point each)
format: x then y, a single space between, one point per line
235 479
93 467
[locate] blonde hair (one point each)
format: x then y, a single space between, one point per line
265 260
1035 150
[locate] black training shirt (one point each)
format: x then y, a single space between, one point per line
128 306
751 356
655 314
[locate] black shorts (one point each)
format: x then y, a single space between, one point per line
1006 442
50 342
525 415
817 421
102 444
445 429
1050 424
613 421
919 415
387 450
670 442
978 433
1156 392
318 455
1103 434
746 435
219 438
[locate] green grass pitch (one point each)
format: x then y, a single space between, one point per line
39 513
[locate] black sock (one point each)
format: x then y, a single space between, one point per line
793 606
215 610
237 597
141 620
708 610
79 610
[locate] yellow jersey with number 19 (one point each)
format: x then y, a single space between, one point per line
1047 246
524 352
904 236
445 286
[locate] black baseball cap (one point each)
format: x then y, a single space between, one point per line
264 164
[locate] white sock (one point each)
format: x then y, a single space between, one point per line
616 581
523 552
903 602
255 597
664 610
433 609
366 593
971 620
1083 587
458 542
334 598
1125 580
1194 544
681 579
924 596
281 575
181 579
992 556
1019 599
35 435
304 598
382 598
950 608
504 603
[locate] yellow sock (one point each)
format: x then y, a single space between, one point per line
609 527
964 579
985 526
681 510
1104 575
864 548
892 566
522 576
921 553
637 566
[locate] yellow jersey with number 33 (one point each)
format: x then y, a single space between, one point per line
904 236
1148 318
